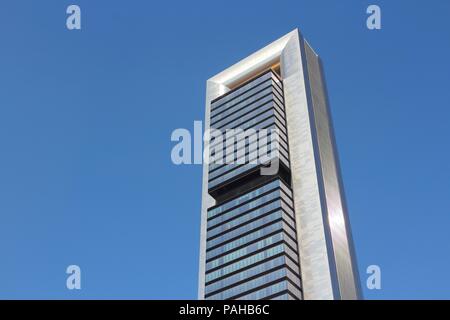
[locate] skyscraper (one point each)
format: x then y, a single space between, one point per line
283 235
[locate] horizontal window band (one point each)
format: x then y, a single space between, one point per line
269 186
241 130
283 131
263 94
226 241
272 211
291 226
278 88
298 287
240 137
261 124
251 248
250 286
246 262
238 283
278 81
253 156
294 248
279 98
246 275
245 256
271 191
283 128
254 271
219 168
232 122
266 95
246 267
251 209
250 171
262 98
245 86
287 261
230 96
243 119
288 230
237 114
282 121
281 116
268 297
275 256
287 291
293 257
218 230
243 170
245 176
280 105
251 160
289 220
243 234
285 161
279 228
281 294
239 199
251 125
277 76
290 277
244 143
266 285
242 98
240 171
260 211
252 237
287 189
237 93
289 205
213 167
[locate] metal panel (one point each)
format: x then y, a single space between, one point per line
337 218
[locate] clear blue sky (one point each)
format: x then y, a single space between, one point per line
86 117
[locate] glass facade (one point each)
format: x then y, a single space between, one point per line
251 238
256 105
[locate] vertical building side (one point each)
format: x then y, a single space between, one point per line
325 246
337 216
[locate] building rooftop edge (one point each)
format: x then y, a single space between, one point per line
256 60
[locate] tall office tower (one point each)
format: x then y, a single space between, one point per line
283 235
